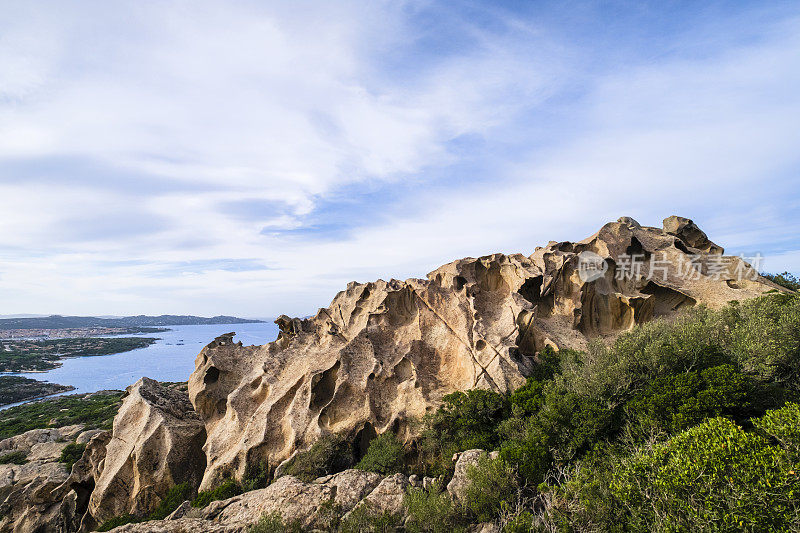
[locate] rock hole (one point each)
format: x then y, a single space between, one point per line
212 375
403 370
459 282
480 345
362 440
679 244
667 301
531 290
635 248
323 386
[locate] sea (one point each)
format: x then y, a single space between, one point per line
170 358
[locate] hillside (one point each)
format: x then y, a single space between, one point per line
64 322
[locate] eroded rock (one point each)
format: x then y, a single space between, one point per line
156 443
387 351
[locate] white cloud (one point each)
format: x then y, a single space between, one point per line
231 102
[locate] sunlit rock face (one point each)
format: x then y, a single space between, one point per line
386 352
156 443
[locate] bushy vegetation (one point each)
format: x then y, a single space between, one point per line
227 489
274 523
329 454
93 411
15 458
385 455
785 279
673 418
432 511
366 519
120 520
70 454
255 477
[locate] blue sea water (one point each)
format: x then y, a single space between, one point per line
171 358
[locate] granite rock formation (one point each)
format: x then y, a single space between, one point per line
386 352
156 442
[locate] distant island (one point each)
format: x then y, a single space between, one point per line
138 321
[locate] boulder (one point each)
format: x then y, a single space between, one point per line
182 525
387 497
156 443
460 481
297 501
385 352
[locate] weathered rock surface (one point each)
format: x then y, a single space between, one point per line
295 500
26 500
387 497
156 443
460 481
387 351
183 525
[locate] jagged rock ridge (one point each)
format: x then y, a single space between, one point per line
386 352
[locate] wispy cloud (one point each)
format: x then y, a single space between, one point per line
250 158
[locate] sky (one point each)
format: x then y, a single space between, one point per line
251 158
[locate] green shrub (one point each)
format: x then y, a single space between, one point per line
274 523
121 520
328 455
432 511
256 476
465 420
175 496
227 489
677 402
784 426
366 519
763 336
96 411
714 476
385 455
519 523
71 453
492 485
785 279
17 458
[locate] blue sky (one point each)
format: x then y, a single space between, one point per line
251 158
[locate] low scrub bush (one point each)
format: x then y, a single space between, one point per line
366 519
714 476
227 489
492 487
432 511
70 454
172 500
385 455
274 523
328 455
117 521
16 458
